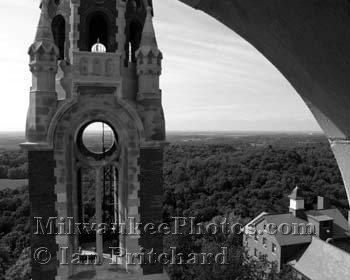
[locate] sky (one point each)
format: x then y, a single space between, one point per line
212 79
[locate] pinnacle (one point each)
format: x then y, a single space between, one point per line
148 34
44 33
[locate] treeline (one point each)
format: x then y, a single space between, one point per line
210 180
13 165
14 234
233 178
206 180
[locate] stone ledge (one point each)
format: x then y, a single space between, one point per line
36 146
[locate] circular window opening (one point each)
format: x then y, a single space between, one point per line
98 138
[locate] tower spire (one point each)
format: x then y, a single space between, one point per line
43 65
148 45
43 37
149 68
44 32
148 35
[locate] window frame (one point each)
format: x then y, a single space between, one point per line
274 248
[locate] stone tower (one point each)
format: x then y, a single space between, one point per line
95 64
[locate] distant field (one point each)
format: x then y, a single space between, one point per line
11 140
12 184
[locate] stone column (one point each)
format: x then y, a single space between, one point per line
42 196
74 21
151 202
115 195
341 150
98 213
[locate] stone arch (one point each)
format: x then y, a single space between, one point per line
127 109
96 20
98 29
63 134
307 43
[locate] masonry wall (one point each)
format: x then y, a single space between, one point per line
151 202
42 204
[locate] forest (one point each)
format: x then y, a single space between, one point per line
13 165
208 178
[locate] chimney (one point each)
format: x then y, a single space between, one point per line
296 204
323 203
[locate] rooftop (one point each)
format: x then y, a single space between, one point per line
322 261
295 194
288 239
341 227
321 218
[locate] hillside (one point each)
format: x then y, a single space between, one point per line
208 177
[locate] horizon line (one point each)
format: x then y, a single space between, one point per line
211 131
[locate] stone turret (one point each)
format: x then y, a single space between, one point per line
149 67
43 65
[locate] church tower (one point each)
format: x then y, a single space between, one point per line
95 134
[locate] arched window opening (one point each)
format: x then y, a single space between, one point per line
97 189
133 6
130 53
135 33
59 34
138 4
98 31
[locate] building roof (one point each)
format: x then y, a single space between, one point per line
343 244
322 261
295 194
256 220
316 259
288 239
341 228
321 218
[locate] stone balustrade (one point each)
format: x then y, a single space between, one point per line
96 68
